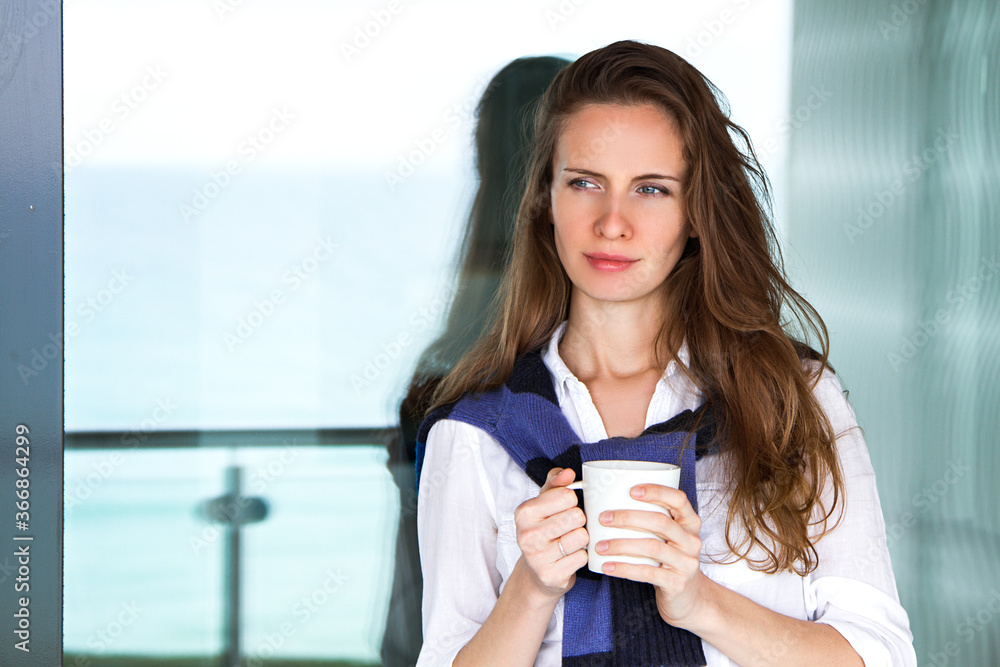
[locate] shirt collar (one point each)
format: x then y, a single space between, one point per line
564 377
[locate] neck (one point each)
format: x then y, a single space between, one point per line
610 340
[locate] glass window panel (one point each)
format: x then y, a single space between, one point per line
145 569
244 234
133 584
261 230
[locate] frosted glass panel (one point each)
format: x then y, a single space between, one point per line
894 233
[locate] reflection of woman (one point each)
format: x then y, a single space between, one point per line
642 318
502 138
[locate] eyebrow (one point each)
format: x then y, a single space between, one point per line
587 172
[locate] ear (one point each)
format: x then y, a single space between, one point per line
692 232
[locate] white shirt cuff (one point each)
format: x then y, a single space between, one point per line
873 623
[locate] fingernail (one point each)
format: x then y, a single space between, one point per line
608 568
607 517
638 492
601 547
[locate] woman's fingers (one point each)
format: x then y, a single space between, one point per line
552 515
558 477
575 540
544 524
564 522
573 544
673 500
551 500
539 535
572 561
545 506
669 579
656 523
666 553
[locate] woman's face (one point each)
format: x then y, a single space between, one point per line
616 200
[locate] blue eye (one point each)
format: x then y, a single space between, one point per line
581 184
651 190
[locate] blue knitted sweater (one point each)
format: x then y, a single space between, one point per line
606 621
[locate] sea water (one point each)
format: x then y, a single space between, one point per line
341 284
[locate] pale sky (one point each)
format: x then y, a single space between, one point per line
225 64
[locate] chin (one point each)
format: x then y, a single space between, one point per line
610 295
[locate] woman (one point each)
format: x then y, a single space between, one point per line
644 299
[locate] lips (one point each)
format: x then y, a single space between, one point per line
606 262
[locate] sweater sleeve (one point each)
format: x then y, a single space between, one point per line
457 533
853 587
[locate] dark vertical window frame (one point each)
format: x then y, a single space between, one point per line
31 329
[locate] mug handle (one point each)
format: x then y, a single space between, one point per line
575 486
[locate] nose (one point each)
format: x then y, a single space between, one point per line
613 222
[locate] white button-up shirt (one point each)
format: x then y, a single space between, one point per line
470 487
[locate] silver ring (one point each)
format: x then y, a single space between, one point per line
561 550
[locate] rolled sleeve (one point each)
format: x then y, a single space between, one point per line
875 624
853 588
457 533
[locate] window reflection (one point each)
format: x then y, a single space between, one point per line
503 138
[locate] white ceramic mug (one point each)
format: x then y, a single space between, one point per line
606 486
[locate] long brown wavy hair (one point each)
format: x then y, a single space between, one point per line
726 297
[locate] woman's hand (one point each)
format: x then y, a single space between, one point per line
676 546
542 524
